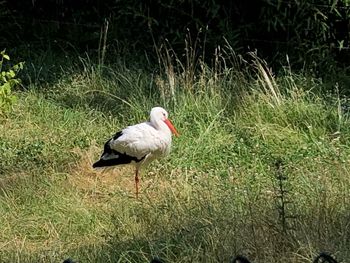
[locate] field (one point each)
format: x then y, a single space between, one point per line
261 167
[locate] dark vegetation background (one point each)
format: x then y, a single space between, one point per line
314 34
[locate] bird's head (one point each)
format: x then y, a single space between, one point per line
160 114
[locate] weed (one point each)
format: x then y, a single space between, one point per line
8 80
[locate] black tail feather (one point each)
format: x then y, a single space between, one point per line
112 157
109 162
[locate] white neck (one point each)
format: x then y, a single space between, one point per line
160 126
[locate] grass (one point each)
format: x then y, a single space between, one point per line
247 139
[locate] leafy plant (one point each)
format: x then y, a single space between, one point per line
8 80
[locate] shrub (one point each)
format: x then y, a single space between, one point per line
8 80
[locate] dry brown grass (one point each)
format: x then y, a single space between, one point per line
94 182
99 183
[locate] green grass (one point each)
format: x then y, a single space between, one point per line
216 195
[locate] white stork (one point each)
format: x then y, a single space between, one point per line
139 144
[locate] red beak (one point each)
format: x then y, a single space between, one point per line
171 127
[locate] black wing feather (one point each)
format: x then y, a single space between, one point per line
112 157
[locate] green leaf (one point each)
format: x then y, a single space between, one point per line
6 87
7 81
11 74
13 99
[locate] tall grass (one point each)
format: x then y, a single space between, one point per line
261 167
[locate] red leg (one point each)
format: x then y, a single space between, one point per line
137 182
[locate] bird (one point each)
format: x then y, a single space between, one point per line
240 259
139 144
156 260
324 257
